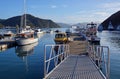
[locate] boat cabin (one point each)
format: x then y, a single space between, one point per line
61 38
25 35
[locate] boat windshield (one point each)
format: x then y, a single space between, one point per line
25 35
60 35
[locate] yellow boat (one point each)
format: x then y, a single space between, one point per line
61 38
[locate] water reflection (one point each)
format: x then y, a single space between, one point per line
24 51
40 35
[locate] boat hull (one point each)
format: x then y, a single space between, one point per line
26 41
95 41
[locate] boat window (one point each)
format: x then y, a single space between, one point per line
36 30
59 35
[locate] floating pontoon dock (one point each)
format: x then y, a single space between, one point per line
74 65
4 44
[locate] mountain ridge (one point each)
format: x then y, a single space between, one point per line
30 21
114 19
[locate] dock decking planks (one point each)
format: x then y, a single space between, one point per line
76 67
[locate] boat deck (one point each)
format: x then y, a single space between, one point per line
76 67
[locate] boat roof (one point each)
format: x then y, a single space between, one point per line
26 33
61 33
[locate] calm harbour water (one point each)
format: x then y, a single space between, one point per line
27 62
112 39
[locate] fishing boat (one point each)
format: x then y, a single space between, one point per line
91 34
26 35
61 38
91 29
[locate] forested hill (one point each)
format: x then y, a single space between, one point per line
31 21
114 19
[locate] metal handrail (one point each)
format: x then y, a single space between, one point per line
101 56
57 53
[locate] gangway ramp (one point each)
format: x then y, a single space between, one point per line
86 66
76 67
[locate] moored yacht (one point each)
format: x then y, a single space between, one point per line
26 35
26 38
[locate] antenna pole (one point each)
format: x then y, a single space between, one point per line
25 12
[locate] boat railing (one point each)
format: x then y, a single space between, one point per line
53 56
101 57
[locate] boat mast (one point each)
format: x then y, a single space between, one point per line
23 17
24 13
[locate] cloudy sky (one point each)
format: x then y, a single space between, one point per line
66 11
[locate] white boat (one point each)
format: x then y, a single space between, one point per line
26 35
8 33
38 31
110 26
49 31
26 38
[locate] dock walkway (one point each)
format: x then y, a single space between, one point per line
76 67
83 61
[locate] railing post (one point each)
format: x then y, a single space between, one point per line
101 54
44 61
62 53
108 68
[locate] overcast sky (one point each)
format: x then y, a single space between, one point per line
66 11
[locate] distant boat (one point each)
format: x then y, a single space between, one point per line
49 31
74 27
91 29
57 31
8 33
68 32
110 26
91 34
38 31
100 28
118 28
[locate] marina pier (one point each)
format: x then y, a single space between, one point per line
70 63
4 44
